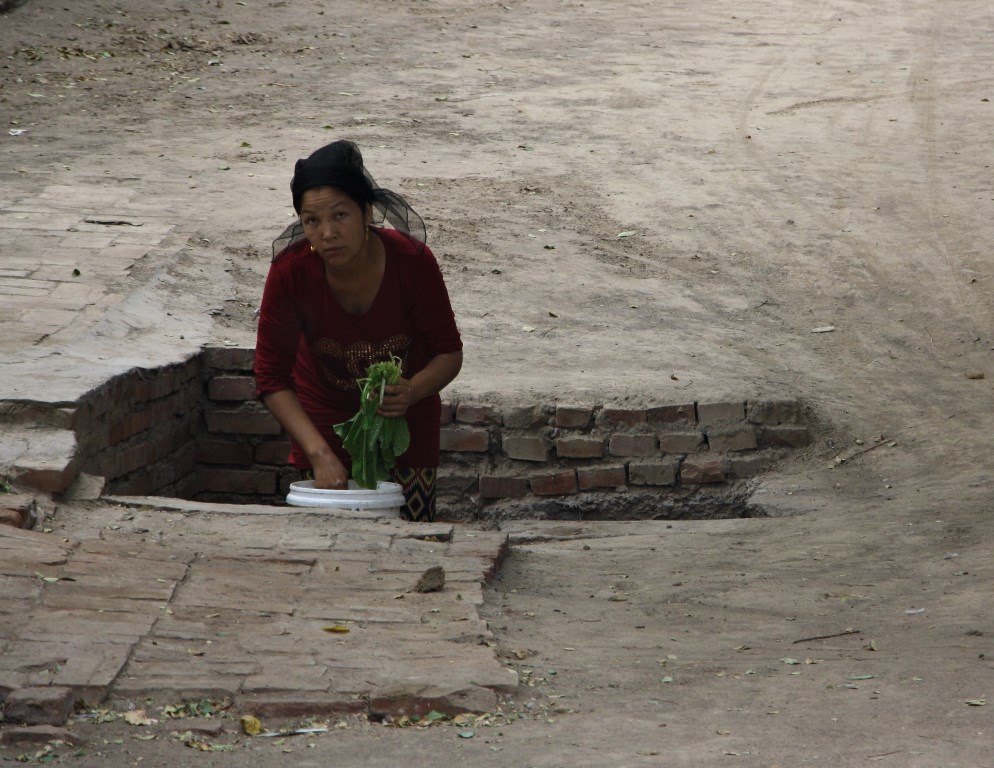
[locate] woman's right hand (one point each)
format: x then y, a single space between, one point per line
330 473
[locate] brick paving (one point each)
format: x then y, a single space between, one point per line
245 606
284 615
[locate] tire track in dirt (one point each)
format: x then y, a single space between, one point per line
924 100
858 267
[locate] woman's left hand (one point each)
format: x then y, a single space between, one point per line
396 399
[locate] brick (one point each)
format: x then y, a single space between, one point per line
589 478
53 479
573 416
672 414
468 413
400 702
701 470
242 422
580 447
774 412
228 358
450 481
273 452
653 472
285 476
40 734
750 465
17 509
12 517
789 436
214 451
27 413
526 447
528 417
709 413
446 414
680 442
491 549
247 481
130 425
621 417
496 487
554 484
303 705
39 705
191 686
622 444
726 440
136 485
464 439
231 388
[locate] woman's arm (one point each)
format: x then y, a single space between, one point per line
329 472
434 377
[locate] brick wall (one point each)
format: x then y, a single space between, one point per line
568 449
242 451
138 430
536 450
195 430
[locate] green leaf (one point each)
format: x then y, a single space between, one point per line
372 441
402 440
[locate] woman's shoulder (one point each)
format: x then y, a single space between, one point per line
402 245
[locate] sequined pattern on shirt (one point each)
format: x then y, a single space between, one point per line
356 358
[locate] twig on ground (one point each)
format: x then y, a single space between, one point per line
827 637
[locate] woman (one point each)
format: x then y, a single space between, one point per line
341 294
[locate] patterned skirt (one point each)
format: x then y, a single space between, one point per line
419 492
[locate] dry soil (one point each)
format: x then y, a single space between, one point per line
636 201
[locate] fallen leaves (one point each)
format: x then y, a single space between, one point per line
251 725
139 718
202 708
203 746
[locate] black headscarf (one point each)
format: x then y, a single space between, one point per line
339 165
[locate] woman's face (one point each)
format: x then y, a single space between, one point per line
334 224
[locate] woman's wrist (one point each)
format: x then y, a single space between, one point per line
319 454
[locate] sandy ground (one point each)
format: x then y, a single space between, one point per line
631 201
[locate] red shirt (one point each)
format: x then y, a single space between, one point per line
307 342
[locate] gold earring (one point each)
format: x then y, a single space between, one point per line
313 249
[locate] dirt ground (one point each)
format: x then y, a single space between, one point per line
634 201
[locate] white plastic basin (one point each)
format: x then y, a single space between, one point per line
386 501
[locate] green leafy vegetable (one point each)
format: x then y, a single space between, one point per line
373 441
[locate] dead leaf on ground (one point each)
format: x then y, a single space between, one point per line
138 717
251 725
